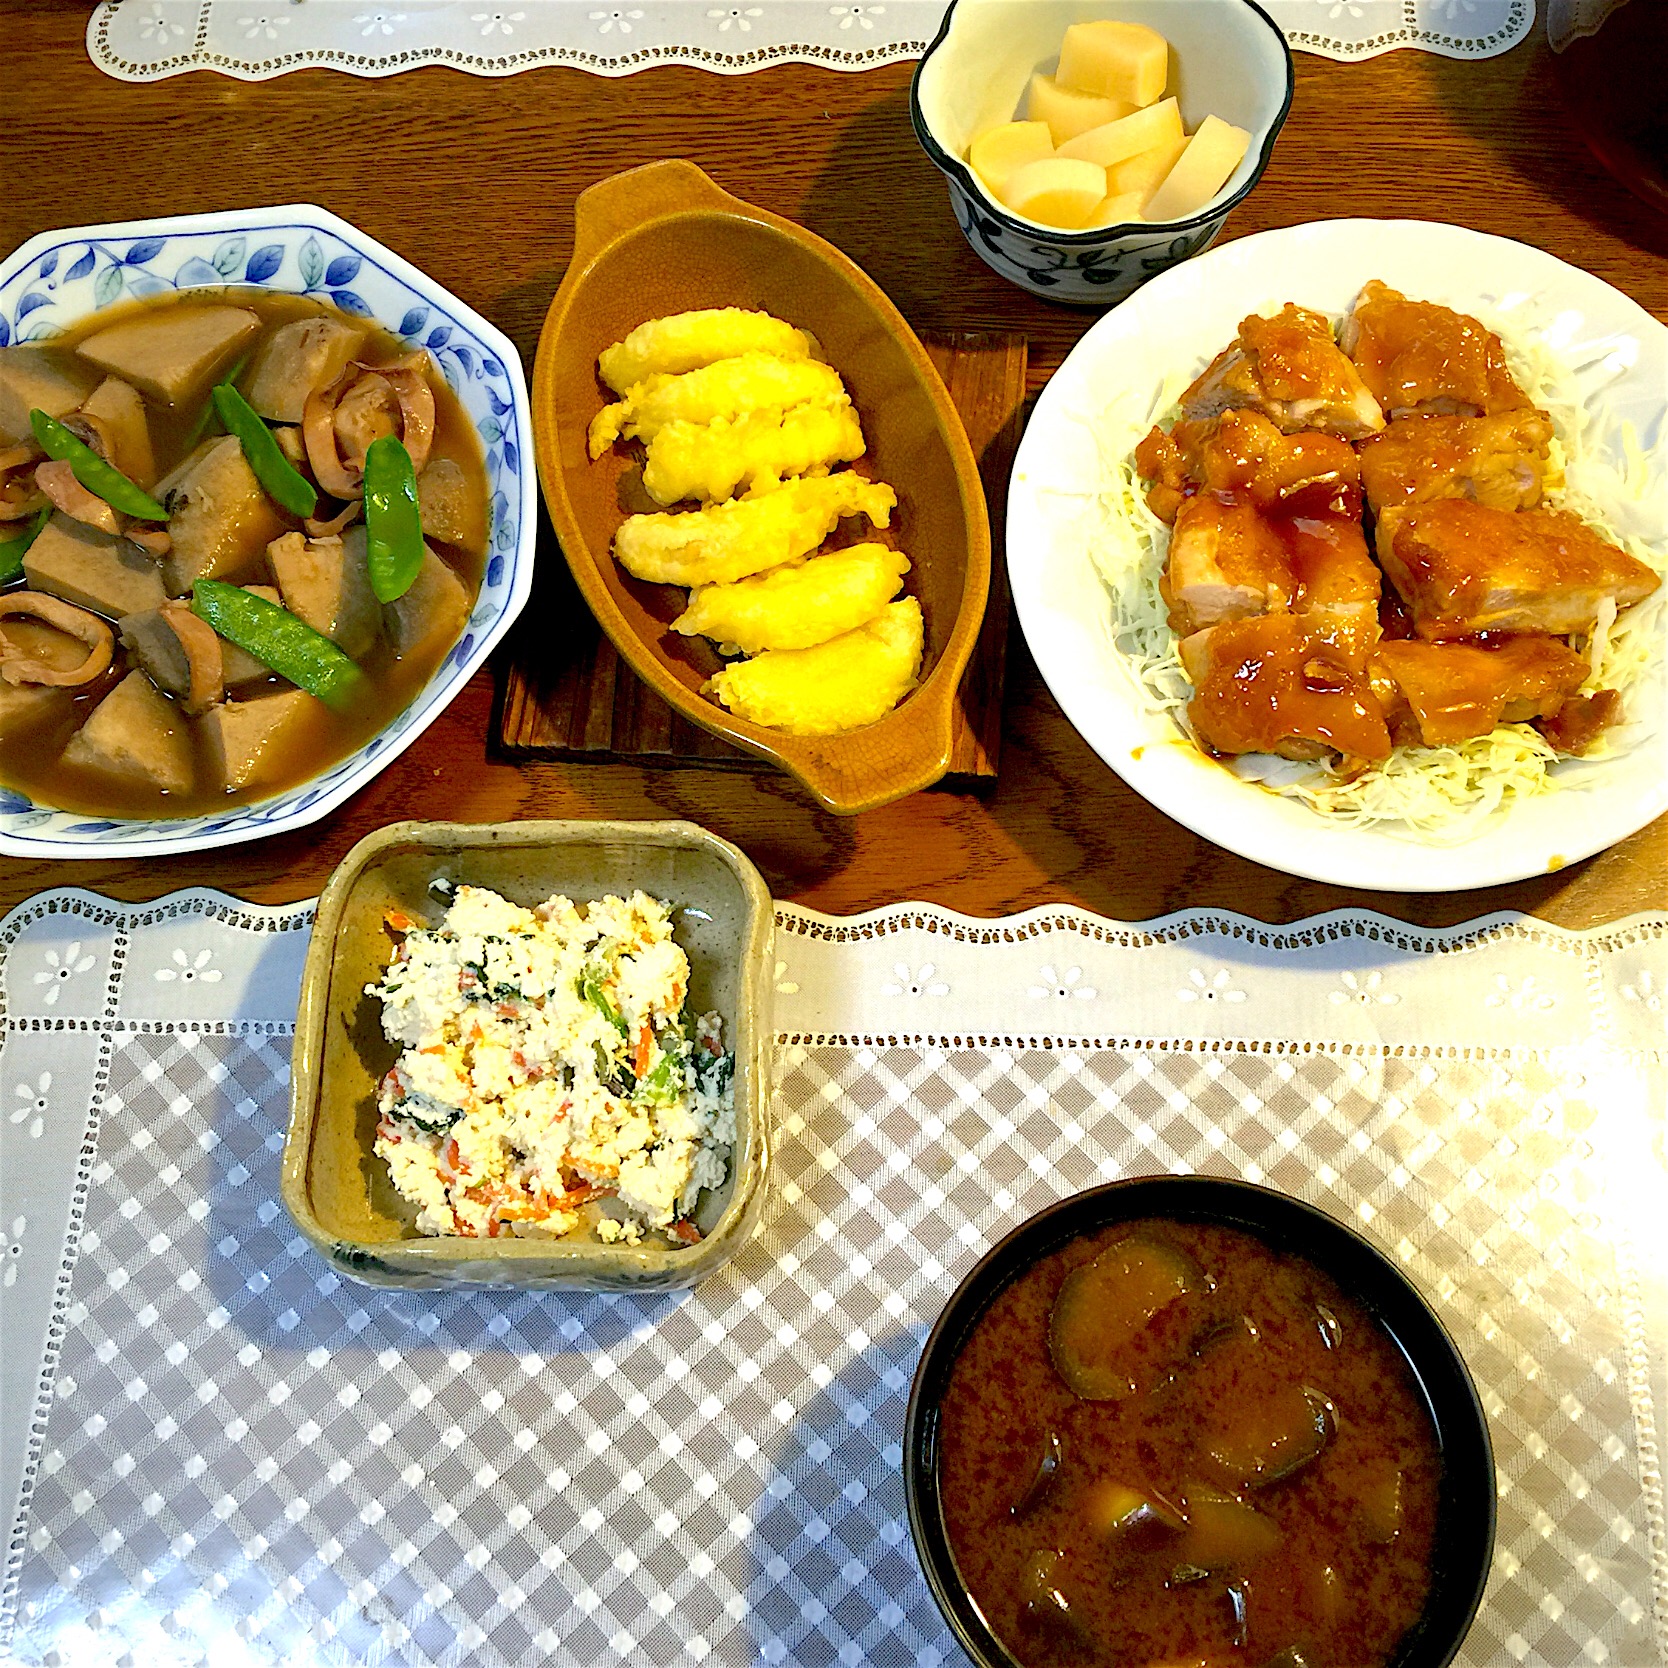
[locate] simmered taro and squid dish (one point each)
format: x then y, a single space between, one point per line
238 533
1362 575
1169 1443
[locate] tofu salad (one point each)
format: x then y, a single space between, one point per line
547 1066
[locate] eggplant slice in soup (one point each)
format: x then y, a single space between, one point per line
173 638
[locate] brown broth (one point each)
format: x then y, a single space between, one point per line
29 753
1058 1587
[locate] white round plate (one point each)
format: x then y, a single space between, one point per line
1616 351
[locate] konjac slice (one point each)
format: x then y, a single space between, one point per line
1098 1330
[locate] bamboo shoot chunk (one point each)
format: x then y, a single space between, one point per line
1070 113
1145 173
1116 60
1212 154
1117 210
1058 191
1115 142
1000 152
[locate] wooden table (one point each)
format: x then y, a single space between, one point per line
475 181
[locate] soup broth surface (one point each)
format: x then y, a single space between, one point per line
1245 1472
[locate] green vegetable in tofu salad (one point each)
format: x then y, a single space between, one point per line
284 483
103 480
279 639
393 524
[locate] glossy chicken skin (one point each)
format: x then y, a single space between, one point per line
1445 693
1419 358
1288 368
1498 461
1228 560
1283 684
1464 568
1242 452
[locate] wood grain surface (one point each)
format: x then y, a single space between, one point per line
475 179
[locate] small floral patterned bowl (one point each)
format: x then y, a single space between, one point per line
58 278
1229 59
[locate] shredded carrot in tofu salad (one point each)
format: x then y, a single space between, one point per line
1441 795
547 1065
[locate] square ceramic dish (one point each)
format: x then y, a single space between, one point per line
665 239
339 1191
55 280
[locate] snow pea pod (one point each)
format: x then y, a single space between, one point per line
277 638
393 524
284 483
14 549
103 480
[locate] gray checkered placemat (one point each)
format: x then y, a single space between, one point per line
247 1460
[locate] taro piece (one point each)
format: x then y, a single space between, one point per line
1103 1309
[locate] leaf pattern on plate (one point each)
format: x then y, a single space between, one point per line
263 263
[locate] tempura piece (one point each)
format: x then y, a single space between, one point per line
727 388
1289 368
687 341
726 542
711 461
1463 568
843 684
800 606
1446 693
1499 461
1422 359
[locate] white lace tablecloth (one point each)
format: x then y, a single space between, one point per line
145 40
223 1454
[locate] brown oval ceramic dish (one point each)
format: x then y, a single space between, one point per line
665 239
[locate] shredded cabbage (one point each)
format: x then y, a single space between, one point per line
1438 795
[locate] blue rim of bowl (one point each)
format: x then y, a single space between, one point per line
1282 1222
954 168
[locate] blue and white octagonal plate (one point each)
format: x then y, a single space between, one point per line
56 279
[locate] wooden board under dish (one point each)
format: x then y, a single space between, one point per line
566 694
